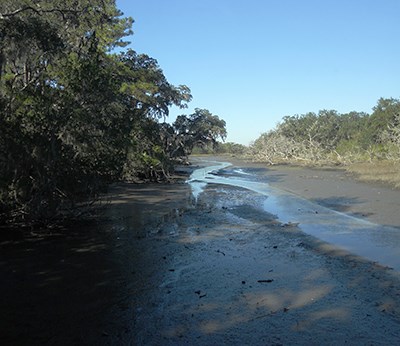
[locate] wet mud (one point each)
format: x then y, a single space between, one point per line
164 268
232 274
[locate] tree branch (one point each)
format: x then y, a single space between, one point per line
37 11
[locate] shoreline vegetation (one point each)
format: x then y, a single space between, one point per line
98 232
367 145
77 116
79 110
385 172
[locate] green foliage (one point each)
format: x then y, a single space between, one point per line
200 129
383 116
57 110
330 137
73 116
231 148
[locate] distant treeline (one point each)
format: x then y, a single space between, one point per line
333 138
74 116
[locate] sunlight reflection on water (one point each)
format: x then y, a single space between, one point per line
375 242
198 178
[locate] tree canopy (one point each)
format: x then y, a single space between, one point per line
75 115
331 137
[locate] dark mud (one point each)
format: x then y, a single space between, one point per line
74 286
159 269
233 275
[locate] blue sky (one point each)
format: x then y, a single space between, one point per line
252 62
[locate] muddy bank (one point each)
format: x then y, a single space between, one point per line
160 270
340 191
231 274
334 188
74 286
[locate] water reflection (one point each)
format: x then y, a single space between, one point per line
375 242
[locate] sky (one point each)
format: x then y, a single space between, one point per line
252 62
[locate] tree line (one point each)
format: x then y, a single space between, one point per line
75 115
329 137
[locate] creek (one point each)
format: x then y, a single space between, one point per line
374 242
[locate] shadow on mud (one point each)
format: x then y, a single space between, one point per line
159 270
53 285
70 286
232 274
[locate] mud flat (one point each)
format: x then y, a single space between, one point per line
339 190
75 286
163 269
230 273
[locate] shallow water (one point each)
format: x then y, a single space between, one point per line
198 179
372 241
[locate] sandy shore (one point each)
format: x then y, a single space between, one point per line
159 270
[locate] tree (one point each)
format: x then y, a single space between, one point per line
146 96
145 87
66 117
384 113
231 148
74 116
332 137
198 129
